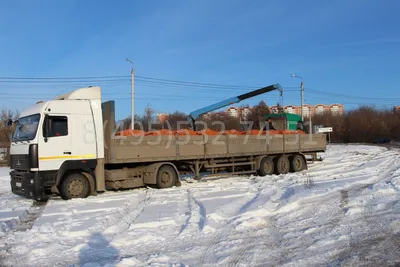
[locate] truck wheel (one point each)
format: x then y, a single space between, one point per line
297 163
266 167
282 165
75 185
166 176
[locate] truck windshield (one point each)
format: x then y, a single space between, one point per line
26 128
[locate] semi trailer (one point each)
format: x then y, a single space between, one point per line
70 147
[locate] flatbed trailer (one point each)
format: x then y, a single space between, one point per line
73 151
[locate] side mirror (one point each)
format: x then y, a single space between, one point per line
9 122
46 127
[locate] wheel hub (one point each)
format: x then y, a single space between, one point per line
165 177
75 187
284 165
298 164
267 167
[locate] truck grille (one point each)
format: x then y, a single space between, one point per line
18 177
19 162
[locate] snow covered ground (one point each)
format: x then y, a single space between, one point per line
343 211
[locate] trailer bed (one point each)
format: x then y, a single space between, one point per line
133 149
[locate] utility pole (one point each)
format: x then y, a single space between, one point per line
132 95
310 126
301 95
302 99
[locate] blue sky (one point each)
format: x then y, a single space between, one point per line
345 48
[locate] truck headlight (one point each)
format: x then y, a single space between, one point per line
31 181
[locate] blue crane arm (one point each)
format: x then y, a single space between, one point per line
195 114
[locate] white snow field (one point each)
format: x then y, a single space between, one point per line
343 211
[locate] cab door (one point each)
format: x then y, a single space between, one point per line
56 142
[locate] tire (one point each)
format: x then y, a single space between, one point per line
75 185
297 163
166 177
266 167
282 165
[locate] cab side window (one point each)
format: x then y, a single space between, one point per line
58 126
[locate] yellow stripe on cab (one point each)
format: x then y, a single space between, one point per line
68 157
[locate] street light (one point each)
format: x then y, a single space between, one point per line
301 94
132 99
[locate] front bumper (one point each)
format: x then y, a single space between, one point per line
28 184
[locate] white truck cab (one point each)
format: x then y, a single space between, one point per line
53 138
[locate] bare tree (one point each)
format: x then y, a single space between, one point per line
364 124
177 120
125 124
148 118
5 131
258 114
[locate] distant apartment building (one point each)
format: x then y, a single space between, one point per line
320 109
291 109
274 109
237 112
233 111
309 110
245 112
336 109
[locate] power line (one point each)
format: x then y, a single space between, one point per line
63 78
309 90
159 83
143 79
60 82
193 83
350 99
18 95
127 98
146 84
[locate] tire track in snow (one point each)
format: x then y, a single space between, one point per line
26 220
378 224
228 228
117 224
23 223
128 216
334 210
203 213
251 247
354 189
195 217
234 236
255 249
188 213
335 225
334 207
174 250
252 250
204 243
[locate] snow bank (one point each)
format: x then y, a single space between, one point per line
12 207
343 210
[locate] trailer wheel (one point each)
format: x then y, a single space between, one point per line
297 163
166 177
266 167
75 185
282 165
